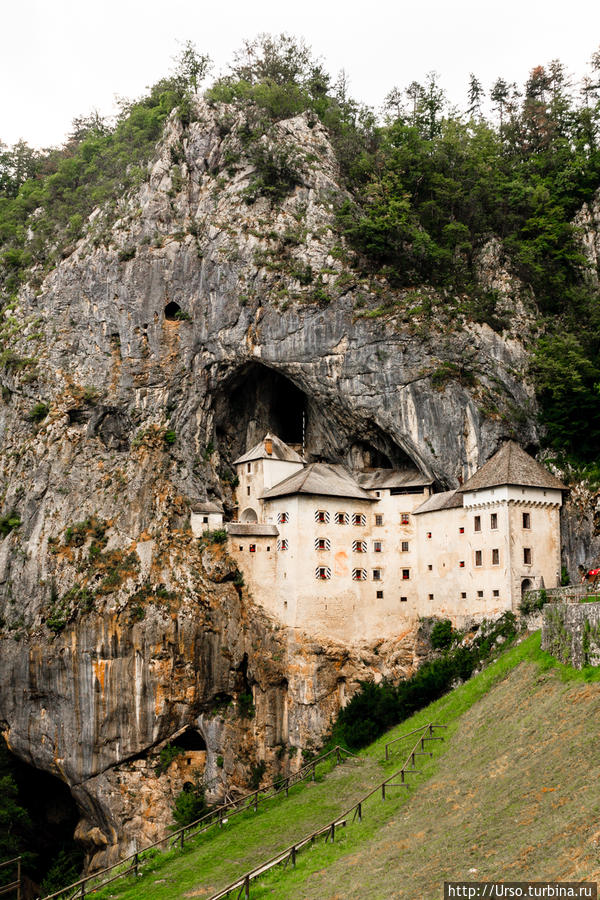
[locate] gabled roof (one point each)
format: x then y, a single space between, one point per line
391 478
280 451
322 479
444 500
511 465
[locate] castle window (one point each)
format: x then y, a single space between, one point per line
480 593
405 574
322 573
241 548
322 516
526 520
268 549
377 546
404 518
461 530
379 595
527 556
341 518
359 546
376 574
248 490
359 519
404 547
463 595
249 467
403 599
477 523
431 596
359 574
429 568
282 544
322 544
493 521
378 520
462 564
283 517
428 535
478 558
252 548
496 593
495 557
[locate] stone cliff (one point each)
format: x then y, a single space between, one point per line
193 316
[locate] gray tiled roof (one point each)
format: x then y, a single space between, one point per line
391 478
251 529
281 451
511 465
206 506
444 500
322 479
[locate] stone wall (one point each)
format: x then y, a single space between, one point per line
571 633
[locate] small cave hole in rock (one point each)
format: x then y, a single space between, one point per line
43 816
173 312
190 740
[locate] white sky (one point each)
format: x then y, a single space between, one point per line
63 58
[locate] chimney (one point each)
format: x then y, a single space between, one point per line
269 446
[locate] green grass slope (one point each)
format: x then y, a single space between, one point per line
510 793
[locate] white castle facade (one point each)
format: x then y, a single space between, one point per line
359 557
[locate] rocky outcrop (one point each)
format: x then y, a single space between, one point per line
171 338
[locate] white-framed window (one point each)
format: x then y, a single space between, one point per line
377 546
379 595
480 593
478 558
461 564
322 573
283 517
378 519
403 599
359 574
359 546
405 574
404 546
495 593
526 520
252 548
377 574
282 544
493 521
341 518
495 557
359 519
322 544
322 516
205 520
527 556
404 518
477 523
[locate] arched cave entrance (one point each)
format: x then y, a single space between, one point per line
190 740
43 816
172 311
257 399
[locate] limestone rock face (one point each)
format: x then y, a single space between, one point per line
167 343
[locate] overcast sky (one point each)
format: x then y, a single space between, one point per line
63 58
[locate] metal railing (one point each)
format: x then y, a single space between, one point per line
14 885
218 816
242 883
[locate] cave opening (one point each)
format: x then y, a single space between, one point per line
172 311
257 399
43 816
190 740
254 401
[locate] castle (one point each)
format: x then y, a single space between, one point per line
358 557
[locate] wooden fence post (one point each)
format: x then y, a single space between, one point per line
255 803
294 857
360 812
247 887
337 753
287 786
182 839
19 878
383 791
314 771
135 864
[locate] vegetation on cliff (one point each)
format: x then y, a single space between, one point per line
426 188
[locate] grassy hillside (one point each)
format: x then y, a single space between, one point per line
508 794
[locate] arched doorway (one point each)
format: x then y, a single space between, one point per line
526 585
249 515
